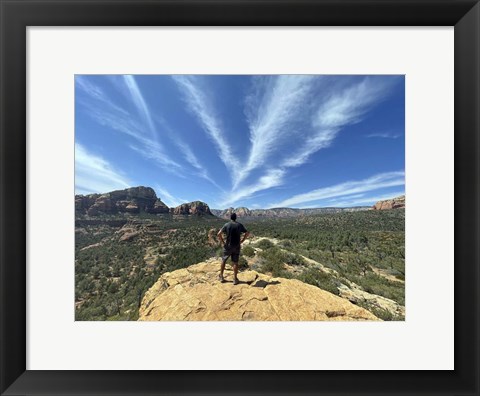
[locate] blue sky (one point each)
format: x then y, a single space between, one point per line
256 141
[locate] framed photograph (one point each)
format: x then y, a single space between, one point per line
205 198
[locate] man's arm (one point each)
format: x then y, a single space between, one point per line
245 236
220 236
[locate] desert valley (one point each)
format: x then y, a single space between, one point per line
137 259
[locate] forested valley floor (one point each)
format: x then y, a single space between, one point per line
118 259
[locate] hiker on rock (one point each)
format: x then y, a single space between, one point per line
231 247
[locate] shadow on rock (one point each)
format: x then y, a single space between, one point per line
263 283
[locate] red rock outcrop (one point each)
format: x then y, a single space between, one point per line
159 207
131 200
192 208
394 203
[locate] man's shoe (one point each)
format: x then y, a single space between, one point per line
221 279
236 281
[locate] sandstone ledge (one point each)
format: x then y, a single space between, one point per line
194 293
394 203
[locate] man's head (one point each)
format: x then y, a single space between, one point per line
233 216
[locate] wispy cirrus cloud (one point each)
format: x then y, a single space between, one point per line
376 182
144 145
167 198
187 152
384 135
140 103
365 201
151 151
289 110
100 97
94 174
346 107
93 90
105 112
144 127
192 159
157 151
274 111
200 105
270 179
288 120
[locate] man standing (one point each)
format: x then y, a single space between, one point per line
232 246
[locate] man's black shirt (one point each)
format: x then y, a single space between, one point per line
233 231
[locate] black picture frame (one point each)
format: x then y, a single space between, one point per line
17 15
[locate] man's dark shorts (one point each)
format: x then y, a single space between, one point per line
233 251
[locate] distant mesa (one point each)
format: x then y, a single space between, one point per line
281 212
394 203
194 293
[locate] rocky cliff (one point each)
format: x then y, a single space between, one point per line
195 293
394 203
130 200
192 208
133 200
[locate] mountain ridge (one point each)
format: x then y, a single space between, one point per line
141 199
134 200
281 212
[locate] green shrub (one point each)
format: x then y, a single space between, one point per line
286 244
242 263
381 313
316 277
294 259
380 286
276 268
264 244
272 261
342 241
248 251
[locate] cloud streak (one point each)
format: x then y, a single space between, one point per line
94 174
139 102
107 113
382 180
168 198
366 201
200 105
273 111
288 110
289 119
187 153
103 110
270 179
384 135
342 109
